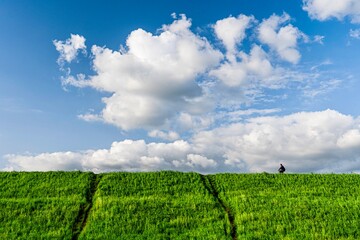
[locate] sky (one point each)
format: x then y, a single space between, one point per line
215 86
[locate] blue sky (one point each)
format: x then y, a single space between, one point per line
235 86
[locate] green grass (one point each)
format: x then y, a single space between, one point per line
173 205
160 205
308 206
41 205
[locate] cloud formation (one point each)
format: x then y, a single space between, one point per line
327 9
251 68
69 49
45 161
306 141
153 78
231 31
188 92
355 33
254 69
282 39
325 141
170 136
175 80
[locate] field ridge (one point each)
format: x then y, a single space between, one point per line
84 211
210 186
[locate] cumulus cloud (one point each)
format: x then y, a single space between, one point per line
171 135
255 68
174 83
231 31
195 159
282 39
154 78
350 139
175 79
46 161
127 155
305 141
186 122
325 141
326 9
69 49
252 67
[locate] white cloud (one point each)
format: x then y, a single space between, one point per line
284 39
195 159
255 69
255 66
69 49
326 9
355 33
323 63
175 83
154 79
350 139
319 39
90 117
127 155
188 122
304 142
46 161
321 88
171 135
231 31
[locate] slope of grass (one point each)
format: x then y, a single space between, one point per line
158 205
41 205
174 205
309 206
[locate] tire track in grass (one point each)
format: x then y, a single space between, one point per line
84 211
210 186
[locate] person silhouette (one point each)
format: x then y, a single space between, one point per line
281 169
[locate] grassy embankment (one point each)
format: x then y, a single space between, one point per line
41 205
173 205
292 206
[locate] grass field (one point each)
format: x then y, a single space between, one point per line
304 206
173 205
158 205
41 205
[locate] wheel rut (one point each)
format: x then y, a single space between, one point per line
210 186
84 211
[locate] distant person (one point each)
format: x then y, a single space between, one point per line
281 169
